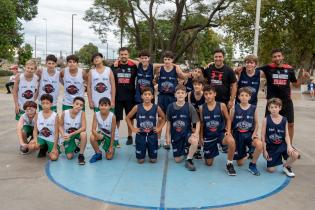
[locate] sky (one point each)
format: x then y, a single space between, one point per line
58 15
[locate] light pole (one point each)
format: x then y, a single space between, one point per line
72 34
258 6
35 47
45 19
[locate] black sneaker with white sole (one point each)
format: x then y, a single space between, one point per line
230 169
81 159
190 165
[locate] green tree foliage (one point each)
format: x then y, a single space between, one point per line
86 52
11 14
286 24
25 53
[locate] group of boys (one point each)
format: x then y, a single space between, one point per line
192 119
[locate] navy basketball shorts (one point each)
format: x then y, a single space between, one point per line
179 144
276 153
146 142
164 100
242 141
210 147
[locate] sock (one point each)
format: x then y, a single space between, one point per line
229 161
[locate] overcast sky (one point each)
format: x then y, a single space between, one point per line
58 15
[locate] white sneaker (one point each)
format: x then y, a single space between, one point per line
288 171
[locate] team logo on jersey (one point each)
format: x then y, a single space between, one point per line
100 87
72 89
243 126
275 139
143 83
167 86
71 130
48 88
179 125
146 126
28 94
212 125
45 132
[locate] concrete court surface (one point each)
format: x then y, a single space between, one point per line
24 184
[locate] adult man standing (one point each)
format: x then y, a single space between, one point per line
125 74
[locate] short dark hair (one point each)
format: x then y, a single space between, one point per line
29 104
180 87
146 89
72 57
276 50
168 54
104 100
245 90
209 88
51 58
144 52
123 49
79 98
275 101
47 97
201 68
219 50
95 55
199 80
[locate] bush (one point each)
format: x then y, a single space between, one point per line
5 73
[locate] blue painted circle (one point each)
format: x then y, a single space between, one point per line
122 181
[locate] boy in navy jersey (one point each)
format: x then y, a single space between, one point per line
276 139
181 117
245 125
216 128
146 130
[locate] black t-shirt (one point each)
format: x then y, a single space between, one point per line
278 80
125 77
222 79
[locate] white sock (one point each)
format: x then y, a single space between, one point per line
229 161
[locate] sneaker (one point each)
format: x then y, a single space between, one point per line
288 171
77 149
81 159
24 150
167 146
96 157
197 155
117 145
42 151
253 169
230 169
250 156
190 165
129 140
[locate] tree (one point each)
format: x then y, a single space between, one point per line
286 24
11 14
164 30
86 52
25 53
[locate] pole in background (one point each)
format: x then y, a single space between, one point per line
258 7
35 48
72 34
45 19
107 50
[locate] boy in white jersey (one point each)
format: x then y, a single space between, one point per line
72 127
25 127
101 83
49 81
73 79
106 133
25 88
46 129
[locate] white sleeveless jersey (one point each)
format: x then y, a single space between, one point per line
46 127
70 125
105 126
27 89
101 86
27 121
49 84
73 86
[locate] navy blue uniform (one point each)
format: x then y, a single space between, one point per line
243 126
275 141
194 101
252 83
144 79
146 138
166 86
180 128
311 86
189 85
213 130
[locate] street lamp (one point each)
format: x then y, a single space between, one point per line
72 34
45 19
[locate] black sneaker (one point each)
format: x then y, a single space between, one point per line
167 146
129 140
230 169
24 150
77 149
190 165
42 151
81 159
197 155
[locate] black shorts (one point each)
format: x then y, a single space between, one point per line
120 106
242 140
144 143
286 111
210 146
276 153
